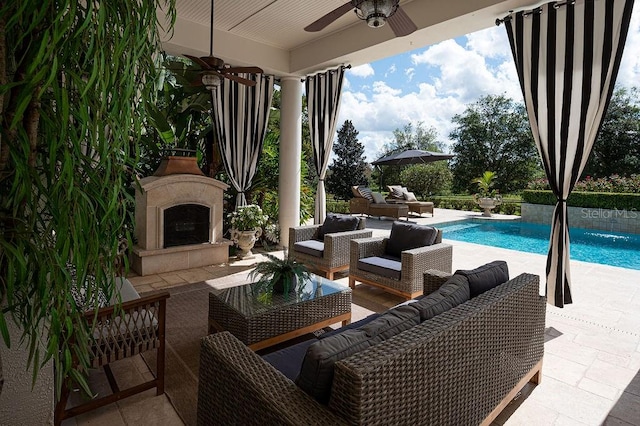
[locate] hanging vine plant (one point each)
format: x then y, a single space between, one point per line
72 89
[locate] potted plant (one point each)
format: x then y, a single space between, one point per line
279 275
246 228
486 197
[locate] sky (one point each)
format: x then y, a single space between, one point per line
436 82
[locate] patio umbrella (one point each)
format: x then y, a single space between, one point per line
411 156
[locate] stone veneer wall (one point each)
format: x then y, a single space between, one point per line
627 221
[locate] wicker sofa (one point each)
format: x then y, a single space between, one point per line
460 367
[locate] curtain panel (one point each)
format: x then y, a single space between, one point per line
240 117
323 104
567 56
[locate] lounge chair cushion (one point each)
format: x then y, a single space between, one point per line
486 276
311 247
451 294
351 326
316 374
337 223
387 266
407 236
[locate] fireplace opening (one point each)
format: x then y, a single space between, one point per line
186 224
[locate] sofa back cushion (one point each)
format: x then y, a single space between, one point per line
452 293
407 236
335 222
316 374
486 276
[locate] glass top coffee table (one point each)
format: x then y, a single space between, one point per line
260 319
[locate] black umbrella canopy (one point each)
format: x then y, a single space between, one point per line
411 156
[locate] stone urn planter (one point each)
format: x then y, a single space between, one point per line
245 240
488 203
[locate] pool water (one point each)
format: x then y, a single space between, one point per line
588 245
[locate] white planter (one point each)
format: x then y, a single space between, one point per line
245 240
487 204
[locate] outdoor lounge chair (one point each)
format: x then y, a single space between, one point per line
365 201
326 247
400 194
397 264
138 326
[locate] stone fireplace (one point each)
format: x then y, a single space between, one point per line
178 223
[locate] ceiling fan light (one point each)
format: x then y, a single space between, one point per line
376 12
210 81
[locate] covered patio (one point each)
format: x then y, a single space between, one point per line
592 348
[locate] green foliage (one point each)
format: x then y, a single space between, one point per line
594 200
494 134
276 270
427 179
485 184
613 183
247 218
406 138
617 148
73 80
349 166
337 206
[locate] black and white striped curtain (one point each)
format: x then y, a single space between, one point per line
240 116
323 104
567 55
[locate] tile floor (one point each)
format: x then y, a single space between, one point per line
591 371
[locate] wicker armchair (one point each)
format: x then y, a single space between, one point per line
335 253
138 326
415 263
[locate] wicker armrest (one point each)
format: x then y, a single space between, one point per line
416 261
366 247
336 245
433 280
302 233
236 386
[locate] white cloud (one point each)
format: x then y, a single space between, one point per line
365 70
410 72
391 70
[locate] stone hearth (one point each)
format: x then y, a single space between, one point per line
159 194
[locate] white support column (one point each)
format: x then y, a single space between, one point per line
290 155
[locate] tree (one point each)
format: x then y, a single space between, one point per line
407 138
74 80
494 134
617 148
348 168
427 179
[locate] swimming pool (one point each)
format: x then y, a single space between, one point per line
588 245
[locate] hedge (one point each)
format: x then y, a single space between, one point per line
601 200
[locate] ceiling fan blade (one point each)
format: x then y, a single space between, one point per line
198 61
401 24
321 23
212 62
240 80
237 70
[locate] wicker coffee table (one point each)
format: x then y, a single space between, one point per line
260 319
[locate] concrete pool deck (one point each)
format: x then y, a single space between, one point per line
591 370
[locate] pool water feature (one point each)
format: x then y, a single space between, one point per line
587 245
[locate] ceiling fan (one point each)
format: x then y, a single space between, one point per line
375 12
214 69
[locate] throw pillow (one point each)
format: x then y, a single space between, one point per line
410 196
356 192
335 222
486 276
407 236
396 191
365 193
378 198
